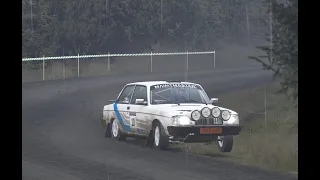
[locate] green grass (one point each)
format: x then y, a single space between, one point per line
270 143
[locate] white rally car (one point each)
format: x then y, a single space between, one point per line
169 112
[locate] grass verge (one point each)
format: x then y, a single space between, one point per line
271 142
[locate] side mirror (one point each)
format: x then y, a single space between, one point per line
214 100
141 102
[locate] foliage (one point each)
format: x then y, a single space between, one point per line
100 26
282 56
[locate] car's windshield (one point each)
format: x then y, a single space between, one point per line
177 93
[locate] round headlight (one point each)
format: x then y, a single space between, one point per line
226 115
195 115
205 112
216 112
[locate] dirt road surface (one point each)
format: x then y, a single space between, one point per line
62 137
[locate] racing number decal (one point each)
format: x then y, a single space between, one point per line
132 119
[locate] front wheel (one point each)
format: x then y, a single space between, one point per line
161 140
225 143
116 132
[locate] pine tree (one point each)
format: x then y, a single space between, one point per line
282 55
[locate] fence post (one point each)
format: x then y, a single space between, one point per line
108 61
63 65
63 69
43 71
151 63
187 60
214 59
78 65
265 107
186 67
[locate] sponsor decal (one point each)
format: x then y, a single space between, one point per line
174 85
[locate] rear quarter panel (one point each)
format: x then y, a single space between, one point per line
108 114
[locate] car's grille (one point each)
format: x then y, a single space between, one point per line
209 121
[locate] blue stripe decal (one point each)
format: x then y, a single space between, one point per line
125 127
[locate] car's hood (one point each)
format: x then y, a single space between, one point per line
184 109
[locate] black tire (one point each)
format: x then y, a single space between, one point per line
108 131
227 144
150 140
164 139
120 136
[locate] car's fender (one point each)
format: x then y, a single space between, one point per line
162 116
165 121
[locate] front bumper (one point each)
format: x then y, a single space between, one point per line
192 133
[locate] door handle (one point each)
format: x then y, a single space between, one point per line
128 107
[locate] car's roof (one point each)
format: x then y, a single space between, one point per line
152 83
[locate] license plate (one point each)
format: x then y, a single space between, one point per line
216 130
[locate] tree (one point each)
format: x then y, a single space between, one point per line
129 26
39 38
282 55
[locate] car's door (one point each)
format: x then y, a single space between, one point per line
122 107
138 115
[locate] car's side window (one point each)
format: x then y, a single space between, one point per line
140 92
126 95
